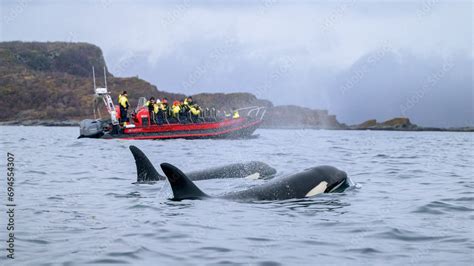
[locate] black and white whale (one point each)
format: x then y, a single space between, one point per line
310 182
146 172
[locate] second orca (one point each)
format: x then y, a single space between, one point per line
147 173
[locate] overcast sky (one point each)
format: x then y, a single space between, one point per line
359 59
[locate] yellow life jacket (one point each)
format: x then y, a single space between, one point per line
195 111
123 101
176 109
156 107
236 115
162 107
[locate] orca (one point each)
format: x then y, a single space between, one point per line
147 173
309 183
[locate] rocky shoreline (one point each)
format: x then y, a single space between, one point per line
403 124
432 129
396 124
46 123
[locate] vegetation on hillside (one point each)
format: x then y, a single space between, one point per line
53 81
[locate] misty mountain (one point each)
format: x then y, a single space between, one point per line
432 91
383 84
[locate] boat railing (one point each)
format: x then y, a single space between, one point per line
258 110
255 111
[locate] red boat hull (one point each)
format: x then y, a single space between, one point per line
228 128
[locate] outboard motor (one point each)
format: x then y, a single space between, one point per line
90 128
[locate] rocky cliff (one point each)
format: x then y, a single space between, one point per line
53 81
398 123
291 116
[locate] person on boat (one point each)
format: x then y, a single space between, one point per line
123 103
163 111
235 113
176 110
195 110
156 110
187 103
184 109
184 105
189 107
151 109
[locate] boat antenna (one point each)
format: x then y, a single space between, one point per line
105 77
93 77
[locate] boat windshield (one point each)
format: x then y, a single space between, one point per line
141 104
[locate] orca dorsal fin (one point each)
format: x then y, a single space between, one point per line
182 186
146 172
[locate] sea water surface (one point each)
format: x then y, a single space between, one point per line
76 204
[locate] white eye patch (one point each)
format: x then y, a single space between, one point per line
320 188
253 176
